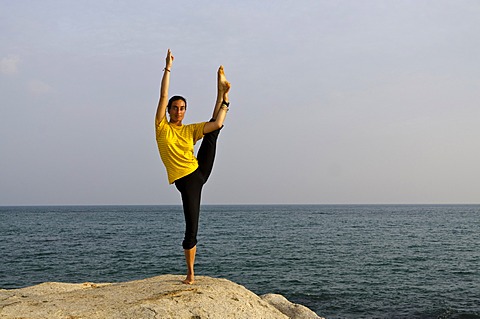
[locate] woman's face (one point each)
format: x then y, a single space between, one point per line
177 111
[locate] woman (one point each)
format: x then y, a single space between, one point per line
175 144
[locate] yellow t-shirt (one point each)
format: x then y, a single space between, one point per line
175 144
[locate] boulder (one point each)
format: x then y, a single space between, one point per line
157 297
291 310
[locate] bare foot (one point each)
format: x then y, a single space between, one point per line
189 280
223 84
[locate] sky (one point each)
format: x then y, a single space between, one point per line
332 102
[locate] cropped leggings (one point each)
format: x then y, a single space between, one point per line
190 187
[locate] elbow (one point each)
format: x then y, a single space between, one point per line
217 125
212 126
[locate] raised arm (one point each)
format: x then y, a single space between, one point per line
163 101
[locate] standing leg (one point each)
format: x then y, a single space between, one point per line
190 188
190 260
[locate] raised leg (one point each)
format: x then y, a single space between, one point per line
223 86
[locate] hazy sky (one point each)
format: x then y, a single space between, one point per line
331 101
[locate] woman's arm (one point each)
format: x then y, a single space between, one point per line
163 101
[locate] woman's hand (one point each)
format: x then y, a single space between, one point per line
169 60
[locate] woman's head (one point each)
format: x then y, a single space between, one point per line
176 107
176 98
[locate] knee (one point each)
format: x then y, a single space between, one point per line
189 243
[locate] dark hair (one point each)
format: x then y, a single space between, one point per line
176 98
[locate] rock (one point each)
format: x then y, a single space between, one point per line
157 297
292 310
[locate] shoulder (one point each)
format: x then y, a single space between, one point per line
192 126
196 127
161 124
196 130
161 128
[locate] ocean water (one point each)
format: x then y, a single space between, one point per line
342 261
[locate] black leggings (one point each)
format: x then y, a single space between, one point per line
190 187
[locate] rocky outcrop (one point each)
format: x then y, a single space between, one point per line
291 310
156 297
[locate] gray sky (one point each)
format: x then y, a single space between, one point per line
331 101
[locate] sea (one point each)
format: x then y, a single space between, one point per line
341 261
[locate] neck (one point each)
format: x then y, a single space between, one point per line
177 123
